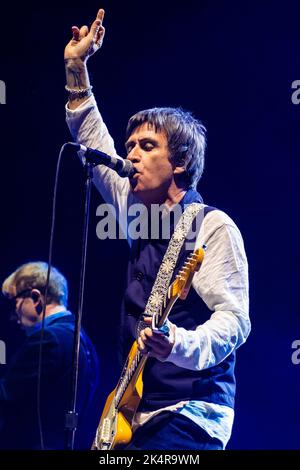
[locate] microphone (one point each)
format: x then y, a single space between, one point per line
123 167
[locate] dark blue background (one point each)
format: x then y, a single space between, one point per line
231 64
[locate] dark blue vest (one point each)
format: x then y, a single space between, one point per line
165 383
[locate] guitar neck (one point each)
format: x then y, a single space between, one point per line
134 364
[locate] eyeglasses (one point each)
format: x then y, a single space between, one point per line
13 303
23 294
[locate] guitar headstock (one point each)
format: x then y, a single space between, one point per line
181 285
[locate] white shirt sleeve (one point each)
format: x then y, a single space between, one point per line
87 127
222 283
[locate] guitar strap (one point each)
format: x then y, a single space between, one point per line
160 287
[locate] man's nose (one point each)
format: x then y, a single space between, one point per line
134 155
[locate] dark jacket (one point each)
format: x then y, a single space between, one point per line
18 388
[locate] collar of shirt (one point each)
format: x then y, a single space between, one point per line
48 320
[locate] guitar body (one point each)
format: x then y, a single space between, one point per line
115 427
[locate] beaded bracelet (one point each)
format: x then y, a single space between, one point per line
74 94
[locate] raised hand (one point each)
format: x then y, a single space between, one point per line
85 42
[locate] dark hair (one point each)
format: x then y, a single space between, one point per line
185 135
33 275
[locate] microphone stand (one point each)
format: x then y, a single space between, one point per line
71 418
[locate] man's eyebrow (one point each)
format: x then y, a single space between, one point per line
142 140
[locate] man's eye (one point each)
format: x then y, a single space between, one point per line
148 146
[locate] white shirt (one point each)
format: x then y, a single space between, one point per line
222 281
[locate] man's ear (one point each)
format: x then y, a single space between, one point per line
36 295
180 160
37 300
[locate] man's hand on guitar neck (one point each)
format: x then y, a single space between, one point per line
156 343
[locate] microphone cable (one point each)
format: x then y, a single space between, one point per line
40 425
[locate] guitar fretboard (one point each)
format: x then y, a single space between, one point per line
126 376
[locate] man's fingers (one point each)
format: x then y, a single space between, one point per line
84 30
96 33
142 347
100 14
147 345
147 348
97 29
100 34
147 335
147 320
153 338
75 32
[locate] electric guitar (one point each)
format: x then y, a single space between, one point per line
115 426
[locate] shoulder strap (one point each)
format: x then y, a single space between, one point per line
165 272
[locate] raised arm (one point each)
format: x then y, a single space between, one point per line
84 119
83 44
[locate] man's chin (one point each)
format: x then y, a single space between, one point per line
134 187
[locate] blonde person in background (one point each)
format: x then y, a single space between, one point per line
19 429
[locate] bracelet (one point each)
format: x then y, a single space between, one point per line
75 94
